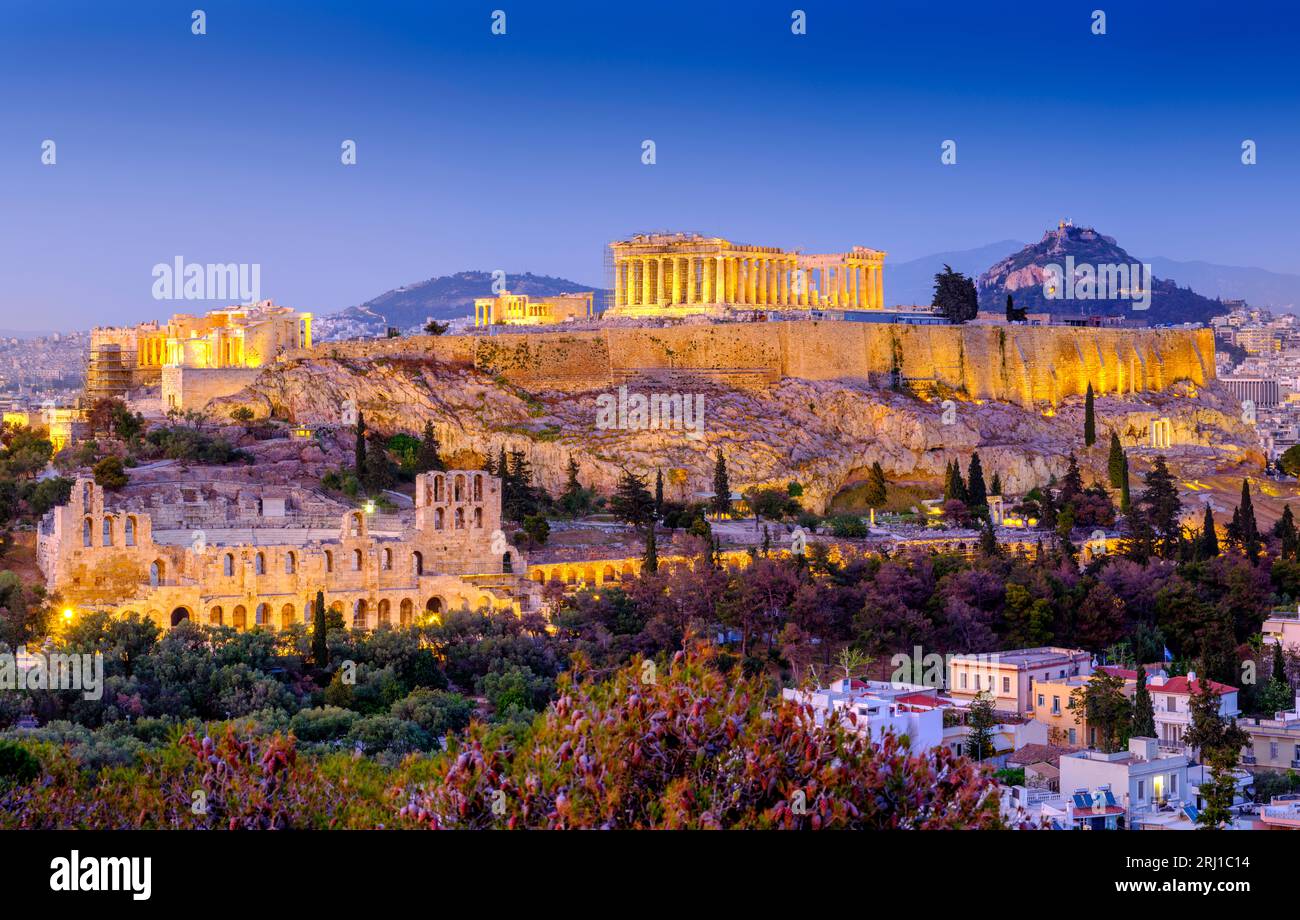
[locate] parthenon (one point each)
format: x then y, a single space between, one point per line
678 274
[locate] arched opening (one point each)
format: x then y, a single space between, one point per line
478 487
290 563
404 612
359 615
215 616
239 617
387 558
178 615
262 616
417 563
438 487
108 531
608 574
478 518
384 612
129 532
589 575
571 576
459 489
627 571
86 532
460 518
286 616
356 560
329 561
356 524
259 563
228 565
439 519
539 576
507 564
157 573
434 605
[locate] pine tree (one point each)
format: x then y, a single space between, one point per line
948 492
989 540
955 487
360 449
995 487
319 648
1209 544
659 493
1124 499
1285 531
1144 713
651 557
1071 484
1089 419
1162 505
721 503
632 501
1115 462
489 465
428 458
977 494
1279 664
521 499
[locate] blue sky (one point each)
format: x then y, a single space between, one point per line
523 151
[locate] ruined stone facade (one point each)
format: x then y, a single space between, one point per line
680 274
451 555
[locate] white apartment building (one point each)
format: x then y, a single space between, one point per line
878 707
1142 779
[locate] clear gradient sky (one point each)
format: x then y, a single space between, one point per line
523 151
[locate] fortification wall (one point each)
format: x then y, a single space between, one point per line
1022 364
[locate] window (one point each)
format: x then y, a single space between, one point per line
1006 685
1056 705
417 563
356 560
1173 784
963 680
108 531
1272 750
1171 703
1142 790
387 559
259 565
289 563
1073 736
85 532
228 565
130 532
1040 701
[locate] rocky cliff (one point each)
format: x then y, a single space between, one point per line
824 434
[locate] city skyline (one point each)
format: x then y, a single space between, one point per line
523 151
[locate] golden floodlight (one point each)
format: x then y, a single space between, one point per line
67 613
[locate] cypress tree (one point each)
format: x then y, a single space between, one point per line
995 487
1209 537
659 492
721 503
360 449
319 649
1279 664
1089 419
1124 500
1144 713
1285 530
651 557
977 494
876 491
1249 527
1115 462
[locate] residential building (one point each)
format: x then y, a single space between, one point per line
1143 778
877 707
1010 677
1283 626
1274 743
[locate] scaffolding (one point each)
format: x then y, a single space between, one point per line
110 374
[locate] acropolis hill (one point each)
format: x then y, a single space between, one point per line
831 382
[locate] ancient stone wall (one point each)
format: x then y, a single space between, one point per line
1021 364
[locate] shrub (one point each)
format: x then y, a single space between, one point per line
17 765
327 723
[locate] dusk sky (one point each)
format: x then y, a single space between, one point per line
523 151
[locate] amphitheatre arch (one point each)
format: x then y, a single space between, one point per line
180 614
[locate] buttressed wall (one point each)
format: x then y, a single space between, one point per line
1021 364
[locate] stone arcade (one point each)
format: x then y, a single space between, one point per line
452 555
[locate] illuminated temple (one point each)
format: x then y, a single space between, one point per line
681 274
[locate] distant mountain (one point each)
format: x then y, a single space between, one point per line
444 298
1022 275
1259 287
912 283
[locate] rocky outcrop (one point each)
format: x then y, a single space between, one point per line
825 434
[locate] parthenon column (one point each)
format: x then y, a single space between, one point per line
783 292
627 282
720 279
880 286
645 280
690 279
706 282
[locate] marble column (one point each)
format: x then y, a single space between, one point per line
690 279
880 287
783 292
645 281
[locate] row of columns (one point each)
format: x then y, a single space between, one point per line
756 281
151 352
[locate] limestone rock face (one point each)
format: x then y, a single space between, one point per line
824 434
